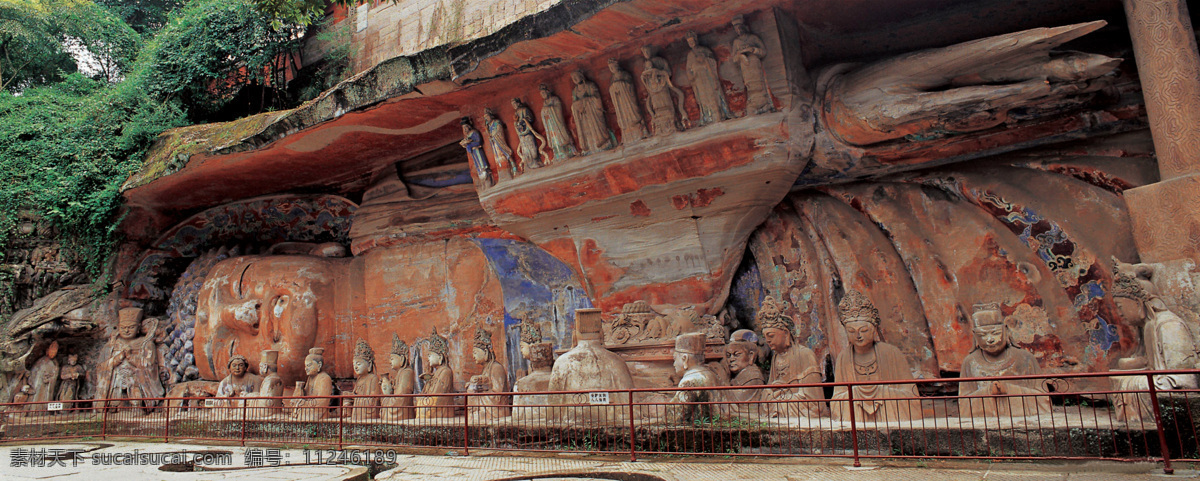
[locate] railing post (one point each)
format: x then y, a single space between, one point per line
632 430
243 424
104 419
341 422
853 425
167 430
466 425
1162 436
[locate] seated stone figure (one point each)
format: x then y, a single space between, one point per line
129 362
404 382
589 366
493 379
439 381
540 356
791 363
689 364
869 359
271 386
995 355
239 381
1167 340
366 383
741 355
318 384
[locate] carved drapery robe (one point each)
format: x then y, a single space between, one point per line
137 368
748 52
43 378
588 112
710 96
557 133
527 139
400 407
796 365
69 379
500 149
681 410
365 407
442 381
320 384
1169 344
498 382
624 99
473 142
1014 362
660 101
271 385
869 403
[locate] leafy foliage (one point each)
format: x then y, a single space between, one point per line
30 53
299 12
143 16
113 45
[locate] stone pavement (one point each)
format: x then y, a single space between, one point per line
127 461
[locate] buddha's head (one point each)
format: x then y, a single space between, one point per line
860 318
991 333
742 350
777 328
364 359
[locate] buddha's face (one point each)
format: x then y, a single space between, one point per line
778 340
313 365
434 359
1130 310
691 40
861 334
238 367
739 357
398 362
361 367
264 303
681 362
479 355
127 330
991 339
577 78
525 349
545 93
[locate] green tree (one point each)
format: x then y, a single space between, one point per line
113 45
30 51
143 16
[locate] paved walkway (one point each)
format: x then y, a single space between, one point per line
127 461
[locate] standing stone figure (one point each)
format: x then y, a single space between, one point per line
439 381
500 149
366 383
529 142
43 378
662 99
271 385
624 99
473 142
130 361
995 355
791 363
557 133
588 111
706 83
493 379
405 382
689 364
70 378
318 385
748 52
870 359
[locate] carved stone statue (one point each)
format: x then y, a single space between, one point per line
405 382
588 111
22 396
637 322
624 99
439 381
493 379
540 356
473 142
741 356
590 367
995 355
43 378
240 380
500 149
662 98
129 368
748 52
689 364
530 143
318 386
706 82
791 363
366 383
870 359
70 377
557 133
271 385
1168 342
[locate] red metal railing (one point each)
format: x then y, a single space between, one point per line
1155 425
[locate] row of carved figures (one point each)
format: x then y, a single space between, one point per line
664 103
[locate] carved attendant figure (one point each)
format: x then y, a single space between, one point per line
995 355
624 99
70 376
500 149
661 100
557 133
473 142
366 383
791 363
130 362
493 379
43 378
689 364
271 385
529 142
239 380
540 356
439 381
869 359
318 385
742 356
706 84
748 53
405 381
588 111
